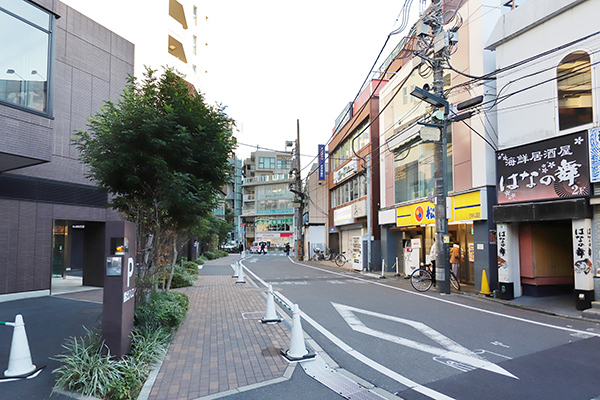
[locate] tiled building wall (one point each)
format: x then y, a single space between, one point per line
91 66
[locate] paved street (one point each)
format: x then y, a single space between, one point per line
374 339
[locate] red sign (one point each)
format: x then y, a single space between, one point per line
419 213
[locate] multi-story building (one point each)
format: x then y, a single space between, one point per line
407 158
267 212
355 139
57 68
316 207
165 33
548 157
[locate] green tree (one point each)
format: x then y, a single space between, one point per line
162 154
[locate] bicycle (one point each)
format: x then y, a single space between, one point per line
423 278
340 259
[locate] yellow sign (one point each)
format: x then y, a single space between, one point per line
464 207
467 206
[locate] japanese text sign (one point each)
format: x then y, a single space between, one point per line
554 168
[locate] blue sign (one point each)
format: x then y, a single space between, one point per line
321 162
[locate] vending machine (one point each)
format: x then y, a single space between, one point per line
412 249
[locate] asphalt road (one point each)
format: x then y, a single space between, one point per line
434 346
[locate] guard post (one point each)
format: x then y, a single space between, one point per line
119 287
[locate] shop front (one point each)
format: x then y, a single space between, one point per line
276 230
351 231
466 213
545 220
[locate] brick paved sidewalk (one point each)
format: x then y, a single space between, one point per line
217 348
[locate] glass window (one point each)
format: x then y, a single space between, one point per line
194 41
195 14
574 81
414 170
266 162
24 60
284 163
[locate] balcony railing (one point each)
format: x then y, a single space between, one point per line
260 179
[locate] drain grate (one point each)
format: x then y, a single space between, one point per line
341 384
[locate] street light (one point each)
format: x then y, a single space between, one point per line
12 71
433 99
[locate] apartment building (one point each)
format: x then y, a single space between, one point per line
165 32
268 211
58 67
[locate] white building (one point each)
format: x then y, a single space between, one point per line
165 32
547 162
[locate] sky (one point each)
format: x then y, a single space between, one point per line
273 63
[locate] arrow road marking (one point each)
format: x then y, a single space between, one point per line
451 350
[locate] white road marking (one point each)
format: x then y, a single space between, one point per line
452 351
412 292
371 363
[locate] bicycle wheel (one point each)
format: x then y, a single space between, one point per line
340 260
454 282
421 280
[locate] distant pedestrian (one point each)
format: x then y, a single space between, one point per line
455 259
287 249
433 253
262 247
241 247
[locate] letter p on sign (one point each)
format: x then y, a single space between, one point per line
130 267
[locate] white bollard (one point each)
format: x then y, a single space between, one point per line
297 350
19 362
235 267
270 314
397 267
240 274
382 269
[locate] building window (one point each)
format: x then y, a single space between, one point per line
194 41
26 33
414 170
350 190
574 81
360 136
194 68
195 14
285 163
266 162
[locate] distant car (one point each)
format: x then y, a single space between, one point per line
255 248
231 247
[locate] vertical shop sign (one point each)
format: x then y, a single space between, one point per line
582 254
502 253
548 169
594 140
321 162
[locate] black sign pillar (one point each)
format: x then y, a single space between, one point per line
119 287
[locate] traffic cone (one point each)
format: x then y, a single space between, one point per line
297 350
235 269
270 315
240 274
485 287
19 361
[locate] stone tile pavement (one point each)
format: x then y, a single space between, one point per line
221 345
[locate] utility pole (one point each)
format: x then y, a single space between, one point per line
300 194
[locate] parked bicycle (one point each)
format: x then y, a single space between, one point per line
320 255
340 259
423 278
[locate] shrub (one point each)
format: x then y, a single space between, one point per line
85 370
165 309
183 277
210 255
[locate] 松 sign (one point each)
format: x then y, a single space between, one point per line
549 169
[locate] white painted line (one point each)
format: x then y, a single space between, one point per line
371 363
453 350
454 303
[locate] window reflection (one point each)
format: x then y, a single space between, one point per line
24 56
574 90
